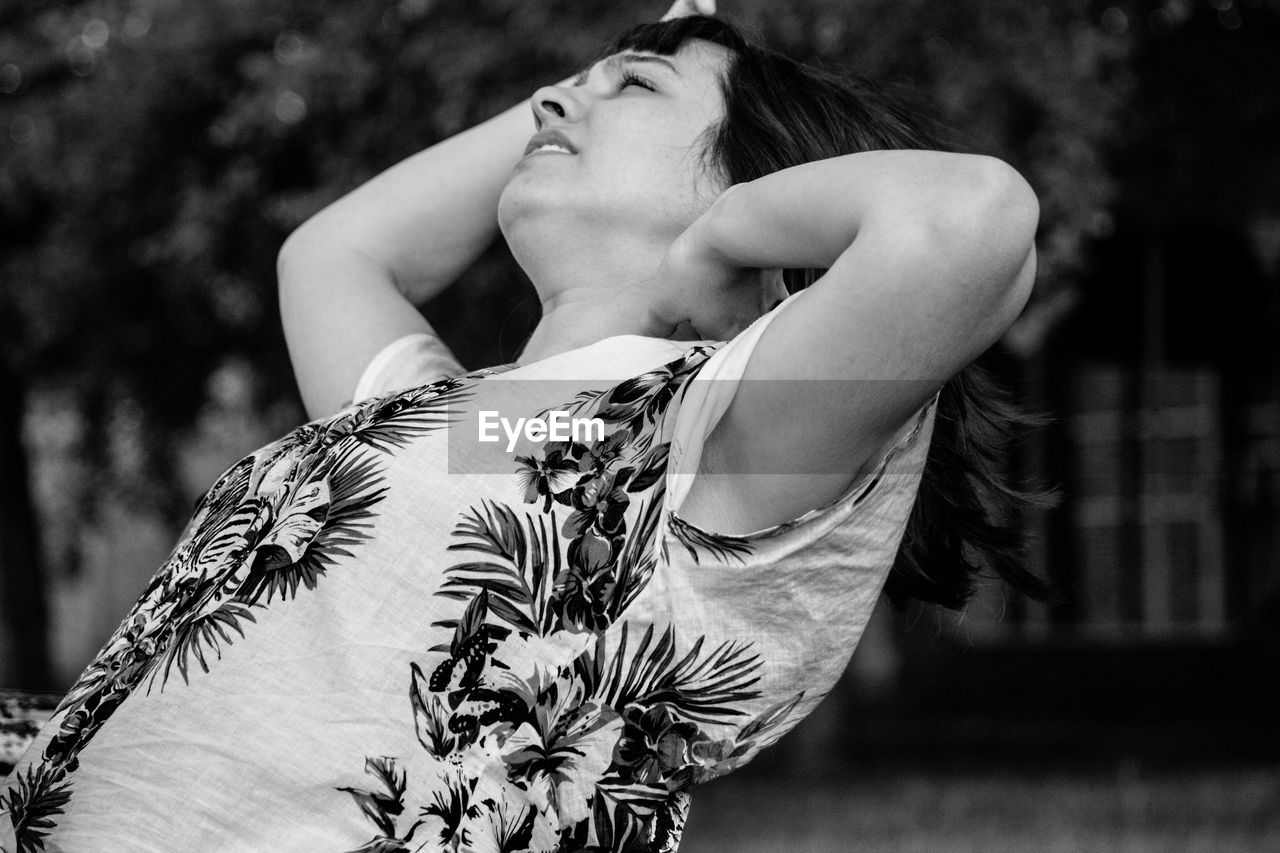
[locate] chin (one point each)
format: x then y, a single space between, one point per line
532 241
510 206
528 203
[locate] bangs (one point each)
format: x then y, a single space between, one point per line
665 38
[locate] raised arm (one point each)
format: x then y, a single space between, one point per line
930 258
352 276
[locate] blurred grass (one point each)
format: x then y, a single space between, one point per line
1213 810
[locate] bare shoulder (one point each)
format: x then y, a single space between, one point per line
823 394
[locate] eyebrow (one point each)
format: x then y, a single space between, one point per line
617 60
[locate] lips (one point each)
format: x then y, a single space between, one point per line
549 137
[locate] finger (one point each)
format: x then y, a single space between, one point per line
682 8
679 9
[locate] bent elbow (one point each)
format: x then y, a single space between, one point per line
985 198
1007 209
989 238
994 215
288 259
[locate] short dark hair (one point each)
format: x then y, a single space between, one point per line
781 113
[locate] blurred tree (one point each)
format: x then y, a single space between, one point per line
1201 146
155 153
1039 84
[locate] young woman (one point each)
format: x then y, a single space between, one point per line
386 633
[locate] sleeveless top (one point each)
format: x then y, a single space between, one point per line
379 634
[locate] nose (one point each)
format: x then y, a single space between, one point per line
553 103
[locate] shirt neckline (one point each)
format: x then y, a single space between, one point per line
679 345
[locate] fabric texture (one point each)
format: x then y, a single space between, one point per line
408 362
369 638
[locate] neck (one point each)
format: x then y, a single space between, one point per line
580 317
590 290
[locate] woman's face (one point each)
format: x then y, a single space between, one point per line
619 151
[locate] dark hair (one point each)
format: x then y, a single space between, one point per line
781 113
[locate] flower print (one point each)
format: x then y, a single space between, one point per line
583 602
583 592
654 744
550 476
504 820
595 459
706 760
565 741
600 503
450 807
276 521
511 829
590 554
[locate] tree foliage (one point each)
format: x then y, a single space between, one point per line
154 154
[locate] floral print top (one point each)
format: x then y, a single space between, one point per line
370 639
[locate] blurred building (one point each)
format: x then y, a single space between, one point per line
1164 386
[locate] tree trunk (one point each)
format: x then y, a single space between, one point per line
23 607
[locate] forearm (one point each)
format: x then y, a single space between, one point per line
351 278
426 219
338 310
969 208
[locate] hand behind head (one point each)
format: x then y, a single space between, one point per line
681 8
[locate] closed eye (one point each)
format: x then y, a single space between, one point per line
625 77
629 79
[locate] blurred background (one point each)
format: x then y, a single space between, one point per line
154 154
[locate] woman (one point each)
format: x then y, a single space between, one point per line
585 627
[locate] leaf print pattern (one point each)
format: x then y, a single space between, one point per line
451 806
273 524
384 805
638 403
599 748
722 548
528 556
552 704
700 687
37 798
